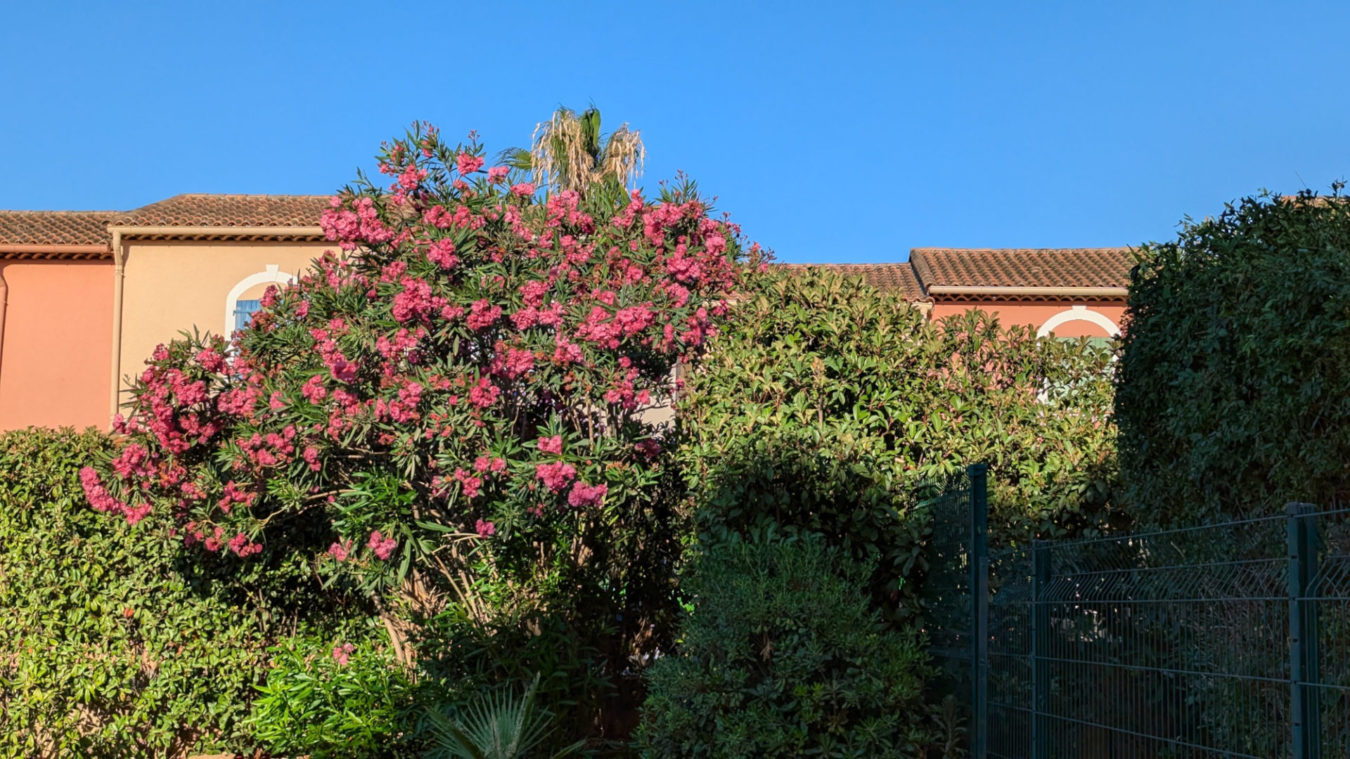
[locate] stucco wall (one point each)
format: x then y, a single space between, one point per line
174 286
1037 314
57 344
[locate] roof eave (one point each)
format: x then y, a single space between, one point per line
1103 293
307 234
45 251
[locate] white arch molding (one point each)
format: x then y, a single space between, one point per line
1078 314
271 275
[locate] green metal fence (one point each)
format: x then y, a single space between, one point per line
1227 640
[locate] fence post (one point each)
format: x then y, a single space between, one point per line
1304 712
1040 645
979 593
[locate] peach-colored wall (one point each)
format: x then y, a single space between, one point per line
57 344
1037 314
174 286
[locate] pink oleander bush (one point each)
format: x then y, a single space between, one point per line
451 414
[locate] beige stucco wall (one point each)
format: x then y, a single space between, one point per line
57 344
174 286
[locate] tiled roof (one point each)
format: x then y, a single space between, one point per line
198 210
54 227
898 276
1023 267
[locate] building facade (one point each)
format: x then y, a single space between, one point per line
85 296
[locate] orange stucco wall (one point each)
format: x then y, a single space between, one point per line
174 286
1037 314
57 344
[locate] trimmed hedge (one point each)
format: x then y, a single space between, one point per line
1233 389
106 649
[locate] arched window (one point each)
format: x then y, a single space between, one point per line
1075 314
237 311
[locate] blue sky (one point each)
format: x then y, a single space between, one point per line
847 131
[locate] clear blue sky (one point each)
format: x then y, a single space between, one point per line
842 131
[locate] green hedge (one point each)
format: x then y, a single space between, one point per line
1233 390
783 656
106 649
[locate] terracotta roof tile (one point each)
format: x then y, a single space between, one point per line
898 276
198 210
1023 267
54 227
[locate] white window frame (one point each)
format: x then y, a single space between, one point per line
1078 314
272 274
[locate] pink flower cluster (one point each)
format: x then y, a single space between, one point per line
342 653
382 546
555 475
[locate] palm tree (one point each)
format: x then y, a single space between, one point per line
570 153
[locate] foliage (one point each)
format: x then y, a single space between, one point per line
330 699
570 153
782 656
497 725
106 647
826 405
453 417
1233 387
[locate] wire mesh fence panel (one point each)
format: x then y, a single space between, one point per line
1011 643
1225 640
1170 644
947 599
1328 599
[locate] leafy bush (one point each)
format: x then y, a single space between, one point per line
782 656
1233 388
331 699
825 405
449 419
106 649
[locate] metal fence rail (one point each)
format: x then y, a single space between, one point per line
1227 640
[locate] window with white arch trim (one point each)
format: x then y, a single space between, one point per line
1050 391
1076 314
239 308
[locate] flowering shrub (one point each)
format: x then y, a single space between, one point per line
453 411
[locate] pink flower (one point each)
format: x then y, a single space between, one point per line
484 394
243 547
311 456
524 189
339 550
210 359
587 495
442 253
555 475
498 174
485 529
342 652
382 546
482 314
550 444
468 163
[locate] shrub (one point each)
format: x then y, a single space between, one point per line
782 656
826 405
329 697
449 419
106 649
1234 373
